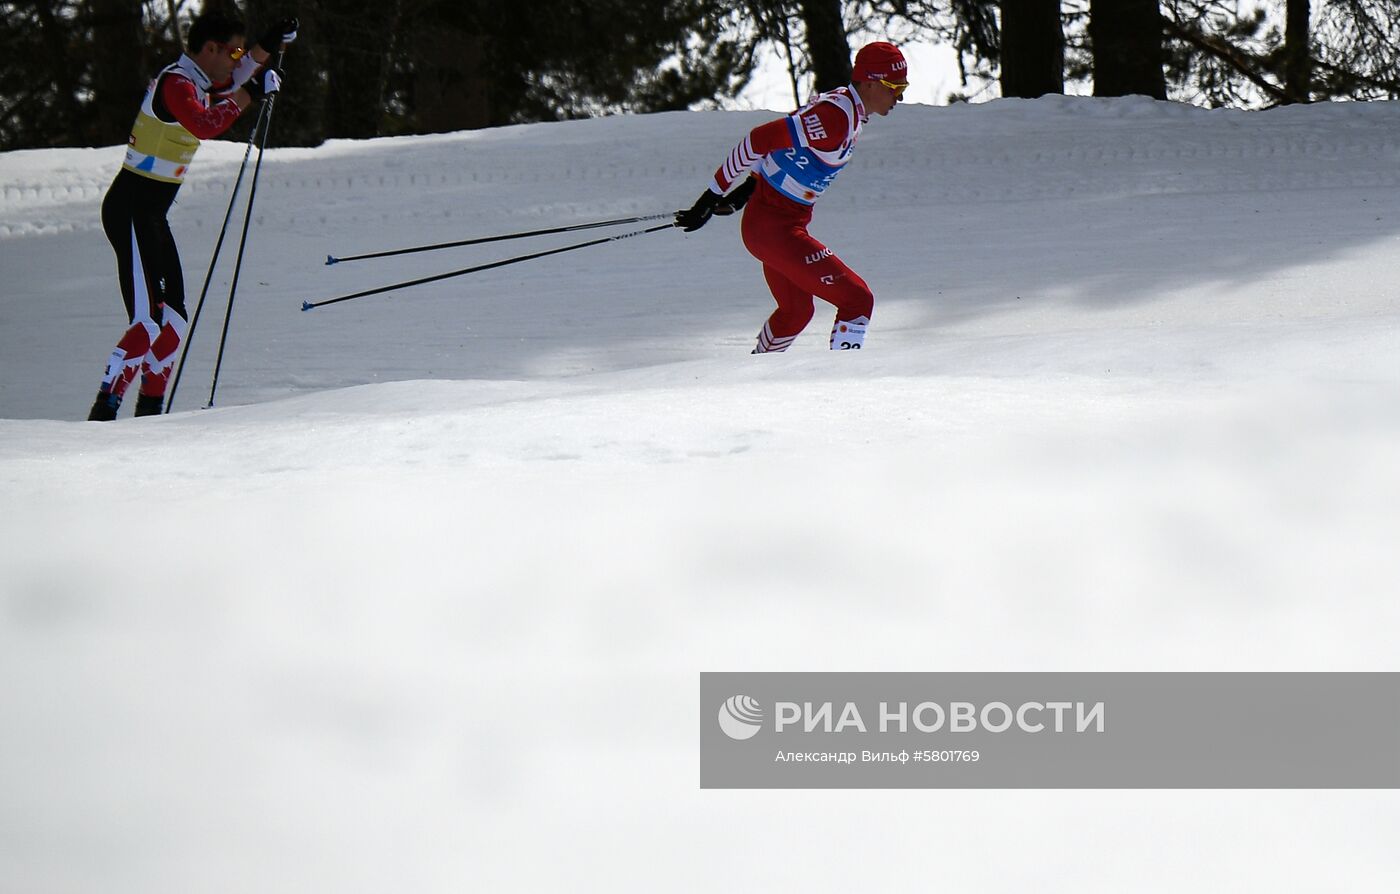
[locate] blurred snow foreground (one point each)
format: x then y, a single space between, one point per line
422 604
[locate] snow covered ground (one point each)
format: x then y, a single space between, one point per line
422 603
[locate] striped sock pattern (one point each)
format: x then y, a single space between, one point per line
767 344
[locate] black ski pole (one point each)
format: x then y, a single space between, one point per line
332 259
308 305
209 276
243 239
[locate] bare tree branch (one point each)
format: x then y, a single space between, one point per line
1245 63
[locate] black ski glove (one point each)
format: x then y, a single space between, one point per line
737 198
264 84
696 216
280 34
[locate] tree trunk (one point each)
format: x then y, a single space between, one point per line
1297 73
827 48
1032 48
450 87
119 69
357 66
1127 40
60 122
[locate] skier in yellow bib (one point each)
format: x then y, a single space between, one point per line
196 98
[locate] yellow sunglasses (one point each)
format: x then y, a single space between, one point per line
897 88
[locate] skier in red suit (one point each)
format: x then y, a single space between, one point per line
794 159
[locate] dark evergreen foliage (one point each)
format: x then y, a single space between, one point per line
73 70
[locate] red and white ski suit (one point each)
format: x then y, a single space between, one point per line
795 159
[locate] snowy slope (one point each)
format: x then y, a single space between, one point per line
422 604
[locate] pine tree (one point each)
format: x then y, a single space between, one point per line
118 74
1127 44
1032 48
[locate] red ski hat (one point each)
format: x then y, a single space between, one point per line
880 61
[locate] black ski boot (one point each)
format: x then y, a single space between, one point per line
104 409
150 404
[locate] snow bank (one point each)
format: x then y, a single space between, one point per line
423 602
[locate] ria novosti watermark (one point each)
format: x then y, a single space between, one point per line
926 717
1190 730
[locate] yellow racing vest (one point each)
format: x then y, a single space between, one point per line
163 150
